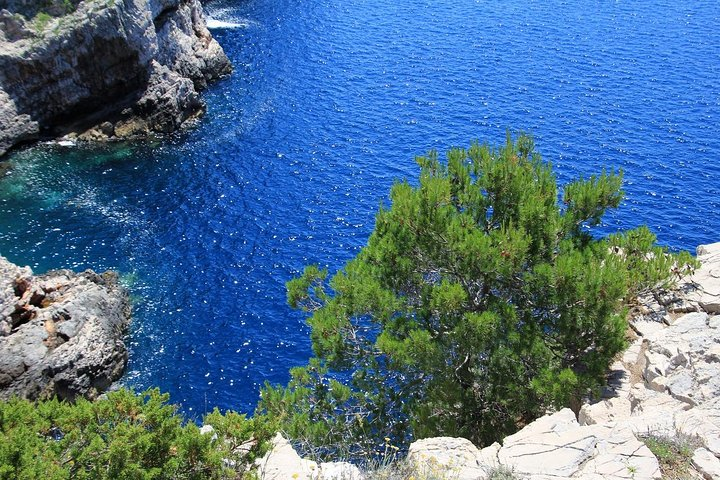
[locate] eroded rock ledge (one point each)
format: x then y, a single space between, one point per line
60 333
109 69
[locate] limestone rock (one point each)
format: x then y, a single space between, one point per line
553 445
456 455
682 359
653 412
619 455
107 70
702 289
60 333
706 463
605 411
703 423
339 471
282 462
645 328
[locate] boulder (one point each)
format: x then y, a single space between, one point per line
282 462
60 333
458 456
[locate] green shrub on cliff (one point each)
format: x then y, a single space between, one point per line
480 300
123 436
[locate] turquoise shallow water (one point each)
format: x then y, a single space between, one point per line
329 103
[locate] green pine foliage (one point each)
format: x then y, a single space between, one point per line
481 300
125 436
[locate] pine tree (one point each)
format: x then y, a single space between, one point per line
481 300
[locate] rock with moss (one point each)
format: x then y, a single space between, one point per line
61 334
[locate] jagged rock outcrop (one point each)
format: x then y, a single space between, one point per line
109 69
60 333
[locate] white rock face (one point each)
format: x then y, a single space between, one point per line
552 445
457 456
707 464
707 279
282 462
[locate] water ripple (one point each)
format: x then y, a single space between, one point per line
329 104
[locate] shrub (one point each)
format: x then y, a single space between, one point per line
41 21
674 454
122 436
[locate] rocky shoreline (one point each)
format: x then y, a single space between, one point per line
104 69
61 334
667 384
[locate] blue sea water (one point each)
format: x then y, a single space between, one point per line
329 103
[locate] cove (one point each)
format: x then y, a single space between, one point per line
328 105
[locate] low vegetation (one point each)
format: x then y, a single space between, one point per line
36 9
674 455
123 436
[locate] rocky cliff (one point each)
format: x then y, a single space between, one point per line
103 68
60 333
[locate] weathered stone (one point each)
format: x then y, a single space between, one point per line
488 457
62 332
619 455
618 381
282 462
682 387
340 471
702 422
702 289
456 455
106 70
659 384
706 463
631 356
553 445
605 411
653 412
645 328
656 365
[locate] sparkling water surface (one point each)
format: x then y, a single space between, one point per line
329 103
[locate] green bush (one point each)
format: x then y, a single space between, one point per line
41 21
674 454
481 300
123 436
